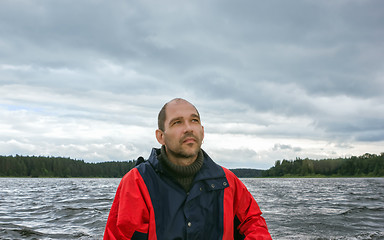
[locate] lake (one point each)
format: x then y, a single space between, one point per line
303 208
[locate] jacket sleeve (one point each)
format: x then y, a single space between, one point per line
248 222
131 215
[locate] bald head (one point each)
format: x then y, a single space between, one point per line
163 115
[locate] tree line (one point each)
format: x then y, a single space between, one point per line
367 165
247 172
41 166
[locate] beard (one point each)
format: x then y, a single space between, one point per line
180 152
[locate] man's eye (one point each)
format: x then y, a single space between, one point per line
195 120
176 122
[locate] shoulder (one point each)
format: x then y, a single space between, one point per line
230 175
138 172
234 181
133 176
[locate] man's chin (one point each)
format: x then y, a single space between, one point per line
185 151
190 153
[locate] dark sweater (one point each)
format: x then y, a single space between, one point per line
182 174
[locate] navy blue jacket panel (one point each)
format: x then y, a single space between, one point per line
197 214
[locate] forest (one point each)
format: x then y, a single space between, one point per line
367 165
40 166
247 172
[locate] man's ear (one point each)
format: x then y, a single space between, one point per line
160 136
203 132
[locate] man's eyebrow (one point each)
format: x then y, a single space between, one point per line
175 119
195 115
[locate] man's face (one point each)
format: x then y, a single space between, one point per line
183 133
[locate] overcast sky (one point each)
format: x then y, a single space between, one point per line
272 79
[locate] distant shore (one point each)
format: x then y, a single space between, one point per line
365 166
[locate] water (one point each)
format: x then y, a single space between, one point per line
35 208
346 208
325 208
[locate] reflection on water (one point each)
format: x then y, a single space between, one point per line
341 208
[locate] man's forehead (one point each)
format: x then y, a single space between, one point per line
180 108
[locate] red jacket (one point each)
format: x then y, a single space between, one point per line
151 205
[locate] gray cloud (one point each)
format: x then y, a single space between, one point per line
278 147
307 75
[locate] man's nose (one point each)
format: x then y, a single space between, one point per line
188 127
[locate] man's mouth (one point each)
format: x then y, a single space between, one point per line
189 140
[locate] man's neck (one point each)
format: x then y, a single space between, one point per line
183 174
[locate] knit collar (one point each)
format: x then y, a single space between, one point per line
181 171
209 169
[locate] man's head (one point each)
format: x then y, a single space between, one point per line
163 114
180 129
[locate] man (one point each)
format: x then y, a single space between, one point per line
180 193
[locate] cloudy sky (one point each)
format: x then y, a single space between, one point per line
272 79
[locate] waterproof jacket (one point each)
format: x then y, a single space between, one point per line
149 204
